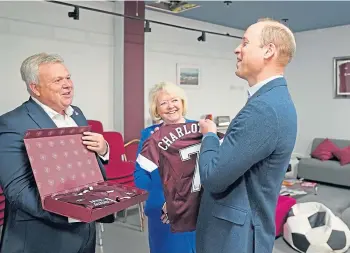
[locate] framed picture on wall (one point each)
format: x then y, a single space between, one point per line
188 75
341 76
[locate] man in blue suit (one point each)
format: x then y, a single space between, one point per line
242 176
28 228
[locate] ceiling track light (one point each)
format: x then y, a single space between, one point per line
202 37
74 14
147 28
285 21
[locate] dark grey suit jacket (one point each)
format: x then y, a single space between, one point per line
28 228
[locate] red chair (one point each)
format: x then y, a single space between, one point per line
131 148
96 126
116 143
122 173
120 170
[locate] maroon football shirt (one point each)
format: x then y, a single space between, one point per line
90 201
174 150
344 77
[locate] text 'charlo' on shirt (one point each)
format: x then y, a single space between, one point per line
174 150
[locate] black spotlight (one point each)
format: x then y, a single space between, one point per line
202 37
147 27
74 14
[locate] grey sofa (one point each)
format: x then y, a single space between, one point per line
325 171
333 187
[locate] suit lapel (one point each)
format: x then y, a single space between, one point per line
38 115
78 118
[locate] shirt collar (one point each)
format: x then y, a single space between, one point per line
52 113
252 90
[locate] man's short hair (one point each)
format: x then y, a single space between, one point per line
30 66
281 36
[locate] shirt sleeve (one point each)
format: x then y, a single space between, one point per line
106 156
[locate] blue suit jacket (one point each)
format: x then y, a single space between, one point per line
28 228
242 176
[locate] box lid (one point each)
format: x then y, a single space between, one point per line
60 161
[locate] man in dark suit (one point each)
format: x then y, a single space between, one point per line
28 228
242 176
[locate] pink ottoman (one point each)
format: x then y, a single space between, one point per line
284 204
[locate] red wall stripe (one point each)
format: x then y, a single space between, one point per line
134 61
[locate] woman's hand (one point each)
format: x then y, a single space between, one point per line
155 130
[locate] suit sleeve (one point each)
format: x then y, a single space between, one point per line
146 162
16 176
251 138
102 167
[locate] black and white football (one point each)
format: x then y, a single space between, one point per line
313 228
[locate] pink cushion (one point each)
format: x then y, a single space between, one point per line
284 204
324 151
343 155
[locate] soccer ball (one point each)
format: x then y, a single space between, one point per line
312 228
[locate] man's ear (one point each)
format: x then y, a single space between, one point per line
34 88
270 51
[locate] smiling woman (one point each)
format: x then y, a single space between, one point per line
168 103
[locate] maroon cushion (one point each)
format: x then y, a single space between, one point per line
324 151
343 155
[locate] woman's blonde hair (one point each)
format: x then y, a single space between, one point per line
169 88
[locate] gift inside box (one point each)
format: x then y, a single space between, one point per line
69 179
96 194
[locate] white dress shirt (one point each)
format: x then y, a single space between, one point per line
256 87
65 120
